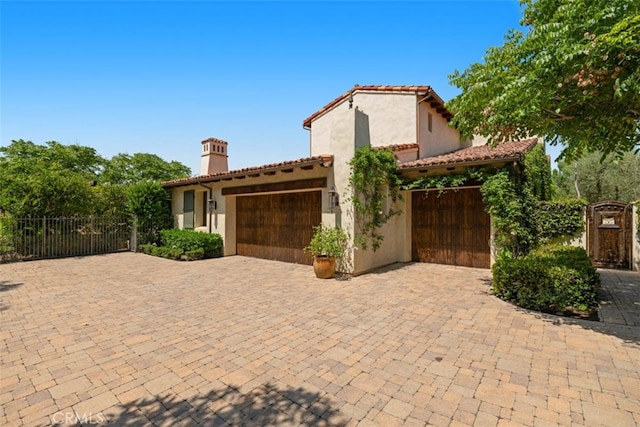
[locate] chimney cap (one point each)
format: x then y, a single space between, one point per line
219 141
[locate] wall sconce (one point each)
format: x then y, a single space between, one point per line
334 198
213 204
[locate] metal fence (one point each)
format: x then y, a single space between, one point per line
38 238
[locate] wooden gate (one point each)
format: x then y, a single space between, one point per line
277 226
450 228
609 230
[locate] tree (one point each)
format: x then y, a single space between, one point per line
572 77
150 204
596 179
56 180
50 180
129 169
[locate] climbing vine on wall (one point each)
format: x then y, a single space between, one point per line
469 176
560 218
374 179
511 207
511 194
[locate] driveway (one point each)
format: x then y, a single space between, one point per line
131 339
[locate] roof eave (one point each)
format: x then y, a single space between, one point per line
482 162
323 161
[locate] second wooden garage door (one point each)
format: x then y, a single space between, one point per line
451 228
277 226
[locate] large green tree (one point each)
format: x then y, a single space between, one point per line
596 179
571 75
129 169
50 180
56 180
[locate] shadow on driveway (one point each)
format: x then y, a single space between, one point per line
7 286
264 405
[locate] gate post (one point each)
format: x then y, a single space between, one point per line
635 237
44 237
133 245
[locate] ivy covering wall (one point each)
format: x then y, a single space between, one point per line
517 197
374 179
560 218
512 194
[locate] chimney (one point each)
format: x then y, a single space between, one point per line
213 156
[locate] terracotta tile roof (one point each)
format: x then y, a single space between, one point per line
323 160
219 141
418 90
480 154
399 147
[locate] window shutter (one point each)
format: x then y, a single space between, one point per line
188 217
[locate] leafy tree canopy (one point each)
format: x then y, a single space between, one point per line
56 180
572 77
597 180
128 169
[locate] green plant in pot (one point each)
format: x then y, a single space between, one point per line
327 244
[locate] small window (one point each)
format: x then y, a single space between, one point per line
430 121
188 209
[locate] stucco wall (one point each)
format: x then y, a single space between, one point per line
349 130
441 139
396 244
392 120
222 219
216 217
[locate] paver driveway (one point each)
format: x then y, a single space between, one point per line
137 340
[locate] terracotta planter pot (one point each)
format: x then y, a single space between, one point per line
324 267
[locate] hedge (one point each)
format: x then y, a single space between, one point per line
551 279
189 240
560 218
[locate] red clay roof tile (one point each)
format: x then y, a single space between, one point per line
482 153
324 160
425 90
399 147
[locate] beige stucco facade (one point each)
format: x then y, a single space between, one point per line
412 120
220 214
394 118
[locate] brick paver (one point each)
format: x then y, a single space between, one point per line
619 297
136 340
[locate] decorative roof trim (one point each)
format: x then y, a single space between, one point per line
427 91
398 147
324 160
482 154
219 141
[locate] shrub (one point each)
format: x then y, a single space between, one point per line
146 249
194 254
549 279
327 241
169 253
189 240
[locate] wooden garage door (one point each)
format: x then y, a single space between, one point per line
277 226
450 228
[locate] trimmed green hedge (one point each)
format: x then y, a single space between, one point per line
560 218
185 244
189 240
162 251
551 279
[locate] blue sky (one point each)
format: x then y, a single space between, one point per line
159 76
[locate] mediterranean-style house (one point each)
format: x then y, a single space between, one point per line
269 211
